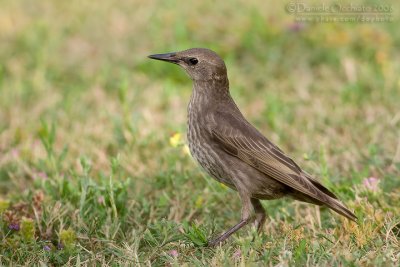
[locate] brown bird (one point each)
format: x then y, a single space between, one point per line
233 151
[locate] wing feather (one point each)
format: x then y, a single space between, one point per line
244 141
239 138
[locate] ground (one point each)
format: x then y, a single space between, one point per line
94 168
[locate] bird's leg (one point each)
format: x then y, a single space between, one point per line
246 211
260 214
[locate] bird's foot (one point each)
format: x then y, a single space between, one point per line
214 243
259 221
224 236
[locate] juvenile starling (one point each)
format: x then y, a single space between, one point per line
233 151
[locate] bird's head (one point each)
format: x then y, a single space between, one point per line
200 63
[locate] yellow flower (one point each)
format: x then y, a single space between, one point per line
186 150
175 140
4 204
199 202
223 186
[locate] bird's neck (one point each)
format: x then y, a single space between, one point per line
208 96
213 90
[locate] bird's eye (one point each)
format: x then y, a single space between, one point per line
193 61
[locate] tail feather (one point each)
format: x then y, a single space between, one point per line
331 199
323 196
341 209
318 185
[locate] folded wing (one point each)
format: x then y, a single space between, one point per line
239 138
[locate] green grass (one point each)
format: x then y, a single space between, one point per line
89 174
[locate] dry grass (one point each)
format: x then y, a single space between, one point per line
86 121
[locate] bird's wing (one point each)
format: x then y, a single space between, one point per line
239 138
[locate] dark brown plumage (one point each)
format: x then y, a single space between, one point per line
234 152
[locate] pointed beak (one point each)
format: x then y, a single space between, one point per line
169 57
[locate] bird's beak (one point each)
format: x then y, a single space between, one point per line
169 57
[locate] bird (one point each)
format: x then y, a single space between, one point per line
232 151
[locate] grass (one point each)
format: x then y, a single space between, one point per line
93 164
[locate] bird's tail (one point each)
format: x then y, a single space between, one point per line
337 206
328 201
331 200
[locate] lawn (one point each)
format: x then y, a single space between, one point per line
94 166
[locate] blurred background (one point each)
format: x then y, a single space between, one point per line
80 101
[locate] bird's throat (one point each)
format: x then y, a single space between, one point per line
208 96
211 90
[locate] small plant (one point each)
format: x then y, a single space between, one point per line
68 239
27 230
4 204
195 235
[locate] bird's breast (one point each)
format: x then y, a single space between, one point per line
202 147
